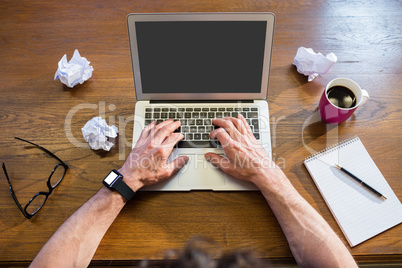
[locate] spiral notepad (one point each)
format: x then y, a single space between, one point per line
359 213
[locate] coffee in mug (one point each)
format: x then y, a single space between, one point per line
340 99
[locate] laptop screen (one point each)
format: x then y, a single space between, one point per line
201 56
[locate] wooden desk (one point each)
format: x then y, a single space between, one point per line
366 37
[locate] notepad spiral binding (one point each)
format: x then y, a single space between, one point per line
330 149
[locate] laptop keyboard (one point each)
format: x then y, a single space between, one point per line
196 123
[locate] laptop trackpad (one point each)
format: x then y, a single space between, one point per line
200 174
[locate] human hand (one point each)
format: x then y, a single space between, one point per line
246 158
146 164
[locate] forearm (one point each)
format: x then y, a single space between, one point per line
311 240
75 242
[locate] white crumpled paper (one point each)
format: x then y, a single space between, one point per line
77 70
313 64
96 131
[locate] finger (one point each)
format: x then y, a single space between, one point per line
221 162
246 125
228 144
147 129
250 137
220 134
159 126
172 140
165 131
177 164
227 124
238 124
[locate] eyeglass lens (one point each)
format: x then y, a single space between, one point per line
57 175
36 203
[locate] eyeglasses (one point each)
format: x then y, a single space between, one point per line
39 199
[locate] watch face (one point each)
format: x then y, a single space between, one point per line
110 178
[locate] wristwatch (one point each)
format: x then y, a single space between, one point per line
114 181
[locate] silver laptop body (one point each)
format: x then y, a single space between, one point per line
194 67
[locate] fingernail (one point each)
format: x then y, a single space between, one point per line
185 160
207 157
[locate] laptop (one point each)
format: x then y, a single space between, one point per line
194 67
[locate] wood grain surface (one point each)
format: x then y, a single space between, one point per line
34 35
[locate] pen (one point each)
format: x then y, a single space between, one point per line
361 182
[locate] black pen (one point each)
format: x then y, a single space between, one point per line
361 182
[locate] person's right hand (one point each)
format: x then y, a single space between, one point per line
147 162
246 158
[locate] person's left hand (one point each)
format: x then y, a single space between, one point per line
147 162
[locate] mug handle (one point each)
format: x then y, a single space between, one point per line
365 97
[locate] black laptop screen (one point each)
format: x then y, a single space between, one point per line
201 56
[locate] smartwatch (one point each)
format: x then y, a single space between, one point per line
114 181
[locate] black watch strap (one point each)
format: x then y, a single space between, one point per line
114 180
123 189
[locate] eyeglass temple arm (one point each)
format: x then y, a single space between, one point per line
44 149
13 193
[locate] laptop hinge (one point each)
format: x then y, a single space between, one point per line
201 101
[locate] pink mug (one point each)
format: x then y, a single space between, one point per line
333 112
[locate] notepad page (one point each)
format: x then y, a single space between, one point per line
359 213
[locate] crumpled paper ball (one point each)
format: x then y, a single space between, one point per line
96 131
313 64
77 70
